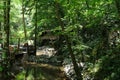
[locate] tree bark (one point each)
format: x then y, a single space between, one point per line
23 17
76 68
8 25
0 27
18 45
35 42
118 6
4 22
7 32
0 31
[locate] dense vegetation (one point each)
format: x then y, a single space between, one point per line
88 30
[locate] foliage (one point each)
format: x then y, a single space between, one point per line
110 70
92 27
20 76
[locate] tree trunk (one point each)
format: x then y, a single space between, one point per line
35 42
7 32
8 26
118 6
18 45
0 27
23 17
4 22
4 72
76 68
0 31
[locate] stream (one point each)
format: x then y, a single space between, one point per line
43 66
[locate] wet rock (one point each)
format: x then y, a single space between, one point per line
69 68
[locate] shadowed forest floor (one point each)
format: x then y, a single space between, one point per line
43 66
35 71
41 70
